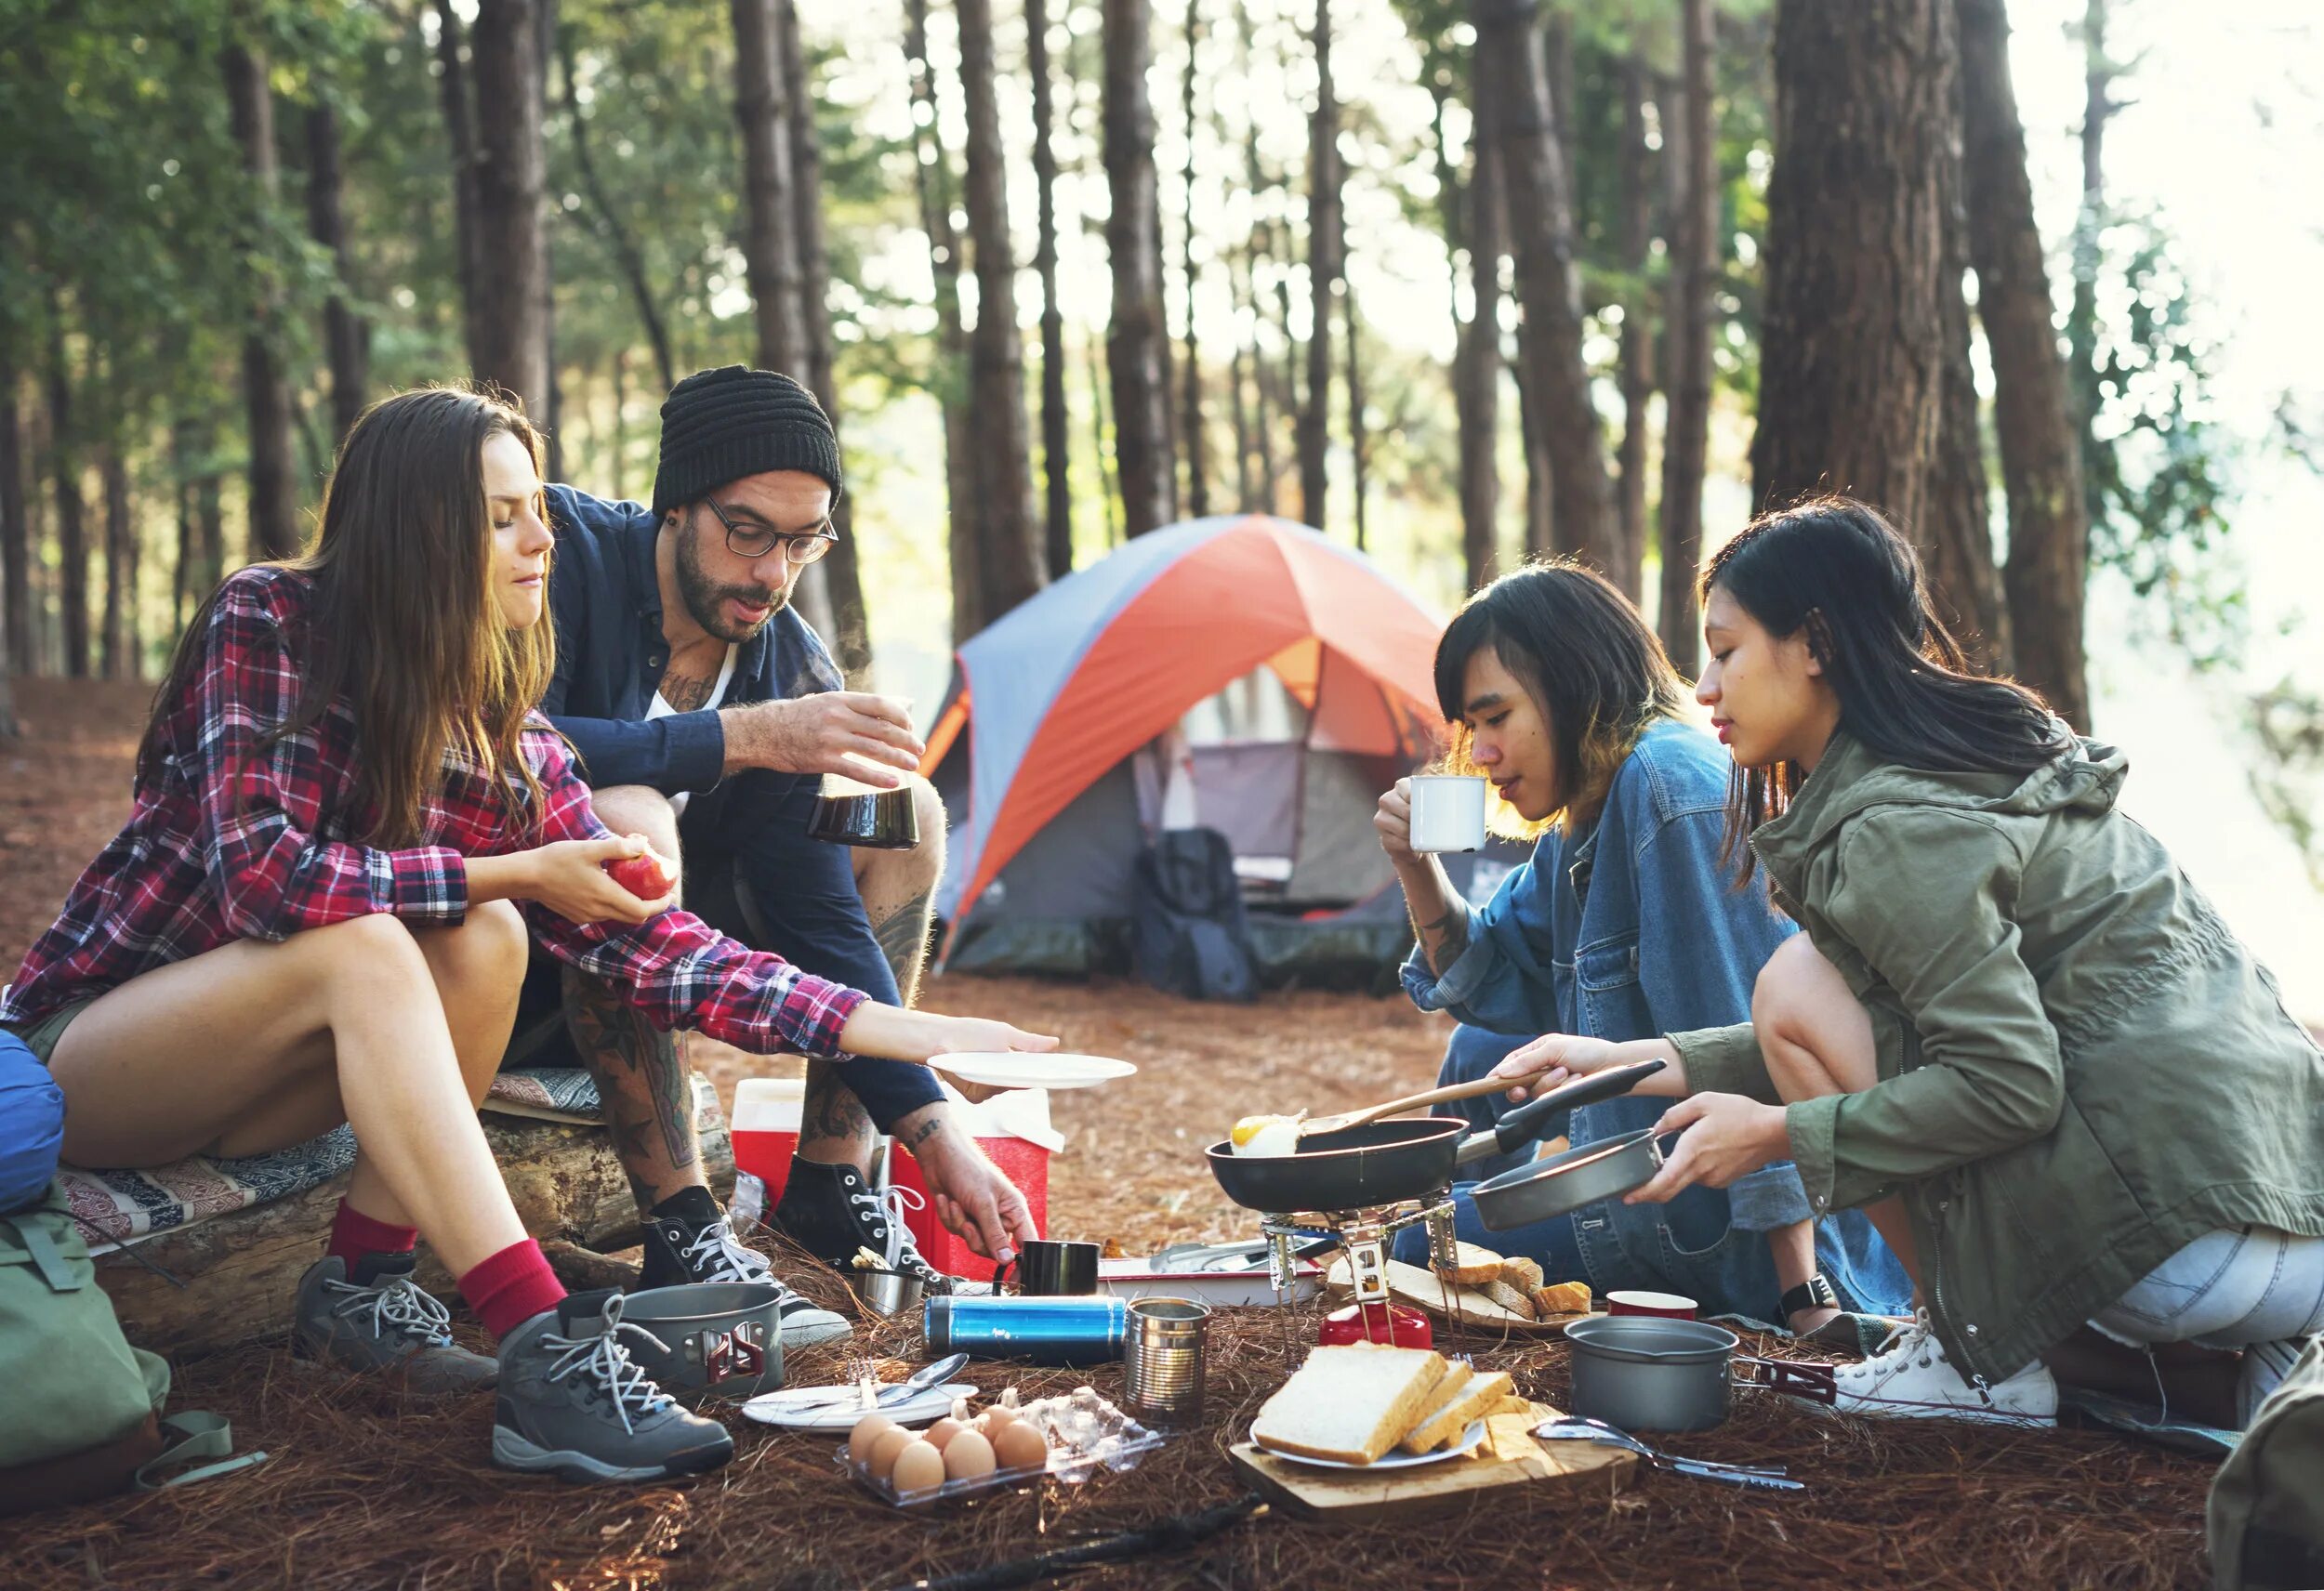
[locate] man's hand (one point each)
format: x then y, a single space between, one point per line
848 732
1724 1136
973 1198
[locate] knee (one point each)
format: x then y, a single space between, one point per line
372 951
636 810
1788 986
492 946
1472 1052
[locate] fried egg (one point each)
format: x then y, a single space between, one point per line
1260 1135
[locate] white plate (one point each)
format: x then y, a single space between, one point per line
1469 1442
793 1407
1023 1069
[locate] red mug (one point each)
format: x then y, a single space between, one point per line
1664 1306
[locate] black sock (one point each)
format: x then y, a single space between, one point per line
693 1205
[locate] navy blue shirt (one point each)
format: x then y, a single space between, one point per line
605 600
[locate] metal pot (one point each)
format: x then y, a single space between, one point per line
710 1339
1640 1373
1566 1182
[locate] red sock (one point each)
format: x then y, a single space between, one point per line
512 1286
354 1235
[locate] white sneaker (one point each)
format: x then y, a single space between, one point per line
1910 1378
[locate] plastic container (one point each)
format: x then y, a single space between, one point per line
1021 1160
765 1131
1085 1433
1397 1323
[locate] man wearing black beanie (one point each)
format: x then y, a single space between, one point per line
706 710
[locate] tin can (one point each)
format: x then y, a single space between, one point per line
1162 1376
1046 1331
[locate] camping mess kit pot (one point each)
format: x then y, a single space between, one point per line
1641 1373
708 1339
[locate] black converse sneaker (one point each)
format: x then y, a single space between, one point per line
688 1238
831 1211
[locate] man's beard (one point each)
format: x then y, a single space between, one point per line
705 602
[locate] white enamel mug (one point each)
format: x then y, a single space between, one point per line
1447 812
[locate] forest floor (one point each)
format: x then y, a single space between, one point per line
366 1490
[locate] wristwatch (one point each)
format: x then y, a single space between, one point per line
1814 1294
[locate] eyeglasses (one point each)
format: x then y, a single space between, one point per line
754 539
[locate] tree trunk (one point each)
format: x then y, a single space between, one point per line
1557 58
1359 443
346 337
1325 242
121 569
943 253
1238 416
1137 341
769 237
1540 529
1637 356
843 574
1189 425
510 332
1056 450
1957 534
1535 184
459 121
16 542
1477 217
1263 417
273 490
1011 545
1689 319
1858 342
2032 410
551 416
72 528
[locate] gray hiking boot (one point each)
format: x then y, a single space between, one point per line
380 1320
678 1251
573 1405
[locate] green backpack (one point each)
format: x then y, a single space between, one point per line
79 1407
2267 1512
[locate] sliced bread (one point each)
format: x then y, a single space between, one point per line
1473 1267
1444 1427
1516 1300
1521 1273
1564 1298
1350 1403
1458 1373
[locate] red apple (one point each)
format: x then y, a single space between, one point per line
649 877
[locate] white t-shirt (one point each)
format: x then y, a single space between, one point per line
661 709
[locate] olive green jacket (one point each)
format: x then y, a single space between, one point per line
2082 1070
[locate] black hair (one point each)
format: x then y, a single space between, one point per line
1839 569
1598 674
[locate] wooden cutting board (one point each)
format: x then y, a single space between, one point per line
1471 1305
1508 1458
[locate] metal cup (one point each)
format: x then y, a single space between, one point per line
1050 1270
887 1292
1162 1361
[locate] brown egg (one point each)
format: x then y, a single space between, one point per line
885 1448
969 1456
993 1419
1019 1446
867 1432
917 1468
940 1435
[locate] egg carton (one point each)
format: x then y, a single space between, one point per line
1085 1432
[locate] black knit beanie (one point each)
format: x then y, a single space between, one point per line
722 425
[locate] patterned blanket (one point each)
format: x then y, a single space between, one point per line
128 1205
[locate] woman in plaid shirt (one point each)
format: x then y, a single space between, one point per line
347 820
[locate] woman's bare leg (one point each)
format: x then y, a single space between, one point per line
255 1047
1817 1040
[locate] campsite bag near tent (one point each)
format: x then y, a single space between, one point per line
79 1407
1188 934
2267 1514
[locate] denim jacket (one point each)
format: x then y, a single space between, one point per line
1629 929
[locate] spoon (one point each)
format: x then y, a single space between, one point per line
1573 1428
935 1374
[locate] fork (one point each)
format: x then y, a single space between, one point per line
1575 1429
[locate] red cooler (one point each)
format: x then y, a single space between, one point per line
1014 1132
766 1131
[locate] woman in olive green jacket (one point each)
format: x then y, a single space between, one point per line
2012 1031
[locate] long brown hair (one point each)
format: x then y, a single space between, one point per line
404 629
1838 570
1597 673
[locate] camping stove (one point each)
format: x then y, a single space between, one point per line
1364 1236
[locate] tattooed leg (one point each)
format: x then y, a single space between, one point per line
641 1076
899 891
834 1128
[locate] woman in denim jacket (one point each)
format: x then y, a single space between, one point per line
1623 925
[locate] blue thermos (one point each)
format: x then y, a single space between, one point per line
1086 1330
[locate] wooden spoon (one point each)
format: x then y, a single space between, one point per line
1476 1090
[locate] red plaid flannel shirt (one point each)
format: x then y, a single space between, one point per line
225 845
